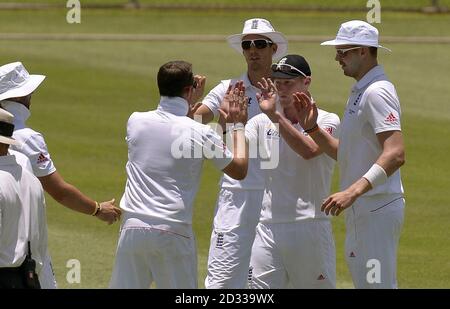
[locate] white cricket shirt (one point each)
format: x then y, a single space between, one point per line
373 107
166 150
33 143
254 179
21 196
296 187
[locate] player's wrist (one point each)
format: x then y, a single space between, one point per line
314 128
97 210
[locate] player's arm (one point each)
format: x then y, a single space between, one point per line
301 144
69 196
206 114
237 114
307 113
391 159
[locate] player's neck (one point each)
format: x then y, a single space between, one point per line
256 76
290 114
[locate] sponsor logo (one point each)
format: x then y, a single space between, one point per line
219 241
42 158
391 118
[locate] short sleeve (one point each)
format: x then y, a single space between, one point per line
36 150
216 150
251 129
330 123
213 99
382 110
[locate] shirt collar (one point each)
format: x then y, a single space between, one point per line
20 112
8 160
174 105
370 76
247 82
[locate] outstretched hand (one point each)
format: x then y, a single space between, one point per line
233 107
268 98
198 91
306 109
109 212
237 106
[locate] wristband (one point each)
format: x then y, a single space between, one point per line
97 209
238 126
313 129
376 175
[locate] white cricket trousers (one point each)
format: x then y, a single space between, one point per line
299 255
47 276
150 254
373 226
236 216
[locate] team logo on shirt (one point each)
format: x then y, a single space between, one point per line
219 241
42 158
329 130
391 118
272 134
321 277
352 254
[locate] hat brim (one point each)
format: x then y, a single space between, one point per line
25 89
348 42
284 75
9 141
276 37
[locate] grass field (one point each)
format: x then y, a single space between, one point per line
92 87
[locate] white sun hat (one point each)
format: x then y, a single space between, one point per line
7 128
15 81
356 32
262 27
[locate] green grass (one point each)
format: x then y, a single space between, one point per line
321 3
92 88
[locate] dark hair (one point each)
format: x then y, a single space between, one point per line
373 51
173 77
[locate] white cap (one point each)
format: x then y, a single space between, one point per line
15 82
262 27
7 128
356 32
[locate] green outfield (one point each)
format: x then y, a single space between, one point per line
93 86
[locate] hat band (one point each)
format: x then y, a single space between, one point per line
6 129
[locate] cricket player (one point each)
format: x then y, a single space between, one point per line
239 202
294 245
16 89
369 151
166 150
23 228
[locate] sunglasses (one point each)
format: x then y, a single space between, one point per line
340 52
259 44
286 68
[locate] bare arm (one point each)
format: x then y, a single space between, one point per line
69 196
307 114
391 159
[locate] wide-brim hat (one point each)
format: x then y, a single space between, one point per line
261 27
7 128
15 81
356 32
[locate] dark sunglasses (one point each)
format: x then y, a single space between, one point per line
259 44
